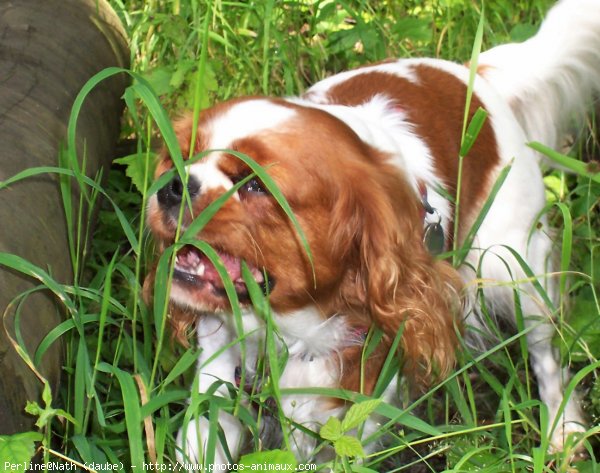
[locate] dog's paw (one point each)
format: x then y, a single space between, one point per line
567 438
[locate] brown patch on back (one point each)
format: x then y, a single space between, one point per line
435 106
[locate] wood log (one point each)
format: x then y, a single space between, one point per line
48 50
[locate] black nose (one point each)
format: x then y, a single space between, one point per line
172 194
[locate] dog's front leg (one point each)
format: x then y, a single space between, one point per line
308 410
216 363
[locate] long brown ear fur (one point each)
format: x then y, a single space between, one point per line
180 320
401 286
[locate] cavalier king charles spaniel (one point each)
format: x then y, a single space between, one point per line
368 162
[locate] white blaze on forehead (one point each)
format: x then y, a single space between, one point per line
241 120
245 119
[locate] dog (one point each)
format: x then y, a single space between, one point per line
368 162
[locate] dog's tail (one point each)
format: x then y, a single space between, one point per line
552 76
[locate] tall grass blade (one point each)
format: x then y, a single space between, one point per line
567 245
62 329
82 374
574 165
133 416
465 144
461 254
32 172
472 73
23 266
472 131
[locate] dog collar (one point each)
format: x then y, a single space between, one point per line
433 232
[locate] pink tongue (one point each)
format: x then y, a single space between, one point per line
189 257
232 265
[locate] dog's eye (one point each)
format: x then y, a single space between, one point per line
253 186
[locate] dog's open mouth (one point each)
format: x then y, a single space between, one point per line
195 271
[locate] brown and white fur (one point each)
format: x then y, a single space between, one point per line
353 157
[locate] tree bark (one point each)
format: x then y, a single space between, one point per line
48 50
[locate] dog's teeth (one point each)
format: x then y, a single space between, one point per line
200 269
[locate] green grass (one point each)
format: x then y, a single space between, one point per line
124 393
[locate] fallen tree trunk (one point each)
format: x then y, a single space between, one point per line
48 50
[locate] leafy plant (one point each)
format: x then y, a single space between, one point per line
336 431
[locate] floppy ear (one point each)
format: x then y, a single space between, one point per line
401 285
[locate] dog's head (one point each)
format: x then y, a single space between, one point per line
362 220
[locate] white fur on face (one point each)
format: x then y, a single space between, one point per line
241 120
246 118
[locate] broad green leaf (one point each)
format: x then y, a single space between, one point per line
332 429
160 80
347 446
359 413
415 29
18 449
137 169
